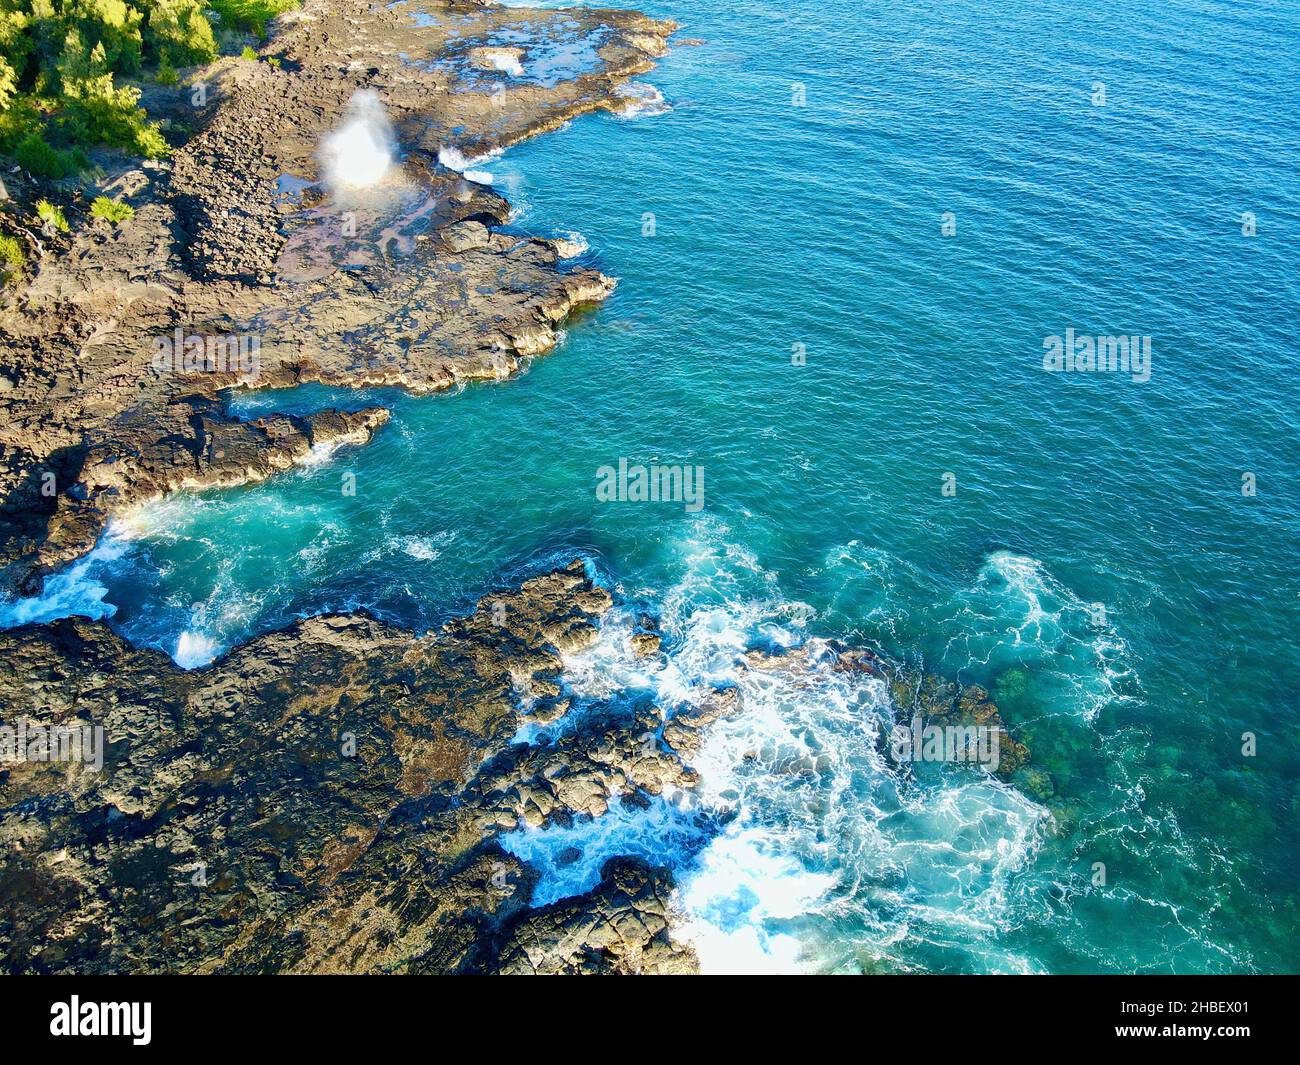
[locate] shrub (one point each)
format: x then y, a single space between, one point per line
8 81
60 58
248 53
37 157
51 216
250 15
17 120
111 210
180 34
15 44
82 38
98 113
11 253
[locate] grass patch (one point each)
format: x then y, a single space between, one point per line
11 253
51 216
111 210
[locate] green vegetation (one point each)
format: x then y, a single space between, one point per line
251 16
34 155
51 216
11 253
66 68
248 53
111 210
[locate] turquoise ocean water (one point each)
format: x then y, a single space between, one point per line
1098 568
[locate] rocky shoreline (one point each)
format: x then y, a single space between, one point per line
417 287
326 798
331 797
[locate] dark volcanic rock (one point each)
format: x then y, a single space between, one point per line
621 927
412 284
322 799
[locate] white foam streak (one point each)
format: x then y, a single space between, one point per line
321 454
454 159
74 591
644 101
814 852
1017 613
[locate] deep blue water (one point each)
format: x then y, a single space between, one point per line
1098 568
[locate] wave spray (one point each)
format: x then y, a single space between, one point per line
359 153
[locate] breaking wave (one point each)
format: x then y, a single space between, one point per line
454 159
77 590
1016 614
643 101
803 848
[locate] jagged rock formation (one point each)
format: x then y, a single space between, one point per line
331 797
623 926
325 798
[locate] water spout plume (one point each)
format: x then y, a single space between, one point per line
359 153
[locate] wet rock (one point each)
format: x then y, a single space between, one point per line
645 644
622 926
930 699
945 703
413 286
568 249
321 799
859 660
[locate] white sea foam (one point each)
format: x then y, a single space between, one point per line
194 649
169 518
742 890
505 60
321 454
454 159
643 101
424 548
1017 614
360 152
77 589
822 856
572 245
571 856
